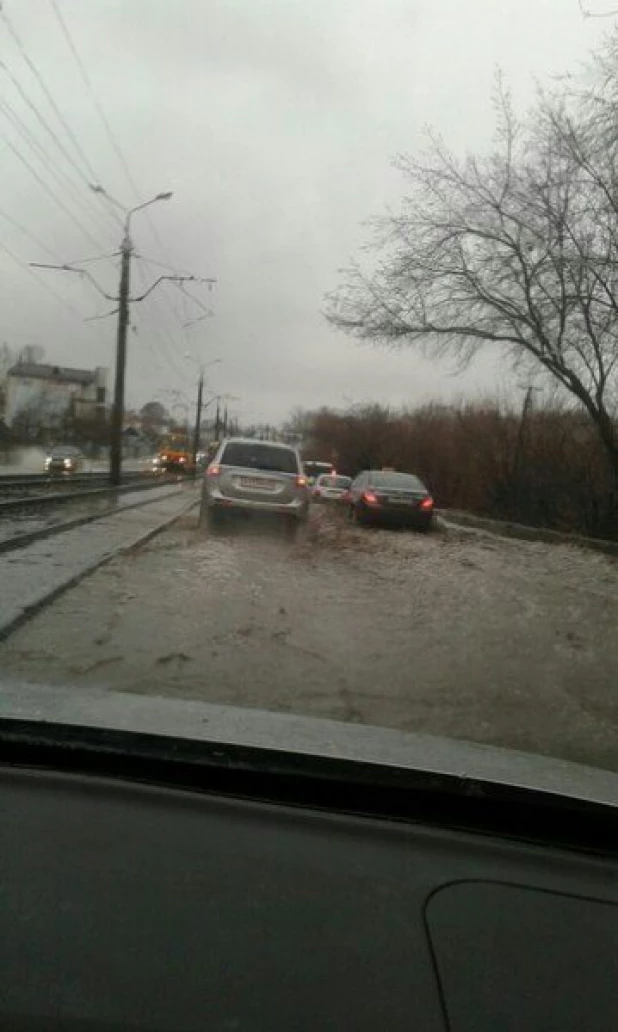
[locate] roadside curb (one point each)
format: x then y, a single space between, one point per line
7 628
520 531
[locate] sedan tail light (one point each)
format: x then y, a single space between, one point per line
370 498
213 471
426 503
317 492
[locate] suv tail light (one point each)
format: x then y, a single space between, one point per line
213 471
301 481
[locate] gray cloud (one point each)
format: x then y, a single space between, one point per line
274 123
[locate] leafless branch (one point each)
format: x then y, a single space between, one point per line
596 14
517 250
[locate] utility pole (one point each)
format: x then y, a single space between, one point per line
123 300
115 447
225 421
198 420
217 422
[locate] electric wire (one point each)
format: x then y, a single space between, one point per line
42 282
110 134
39 78
49 191
50 165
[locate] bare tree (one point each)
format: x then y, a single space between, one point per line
517 250
31 354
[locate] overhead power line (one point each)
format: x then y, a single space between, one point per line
88 84
29 234
159 330
110 134
50 164
51 193
42 283
39 78
160 265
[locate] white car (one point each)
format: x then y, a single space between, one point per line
330 487
254 476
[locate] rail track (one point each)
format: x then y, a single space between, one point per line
15 510
37 571
27 483
28 494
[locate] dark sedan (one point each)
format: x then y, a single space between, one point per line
379 496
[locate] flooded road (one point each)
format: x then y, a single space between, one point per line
454 633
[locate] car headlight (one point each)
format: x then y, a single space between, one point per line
68 463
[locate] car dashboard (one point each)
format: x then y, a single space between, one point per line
169 867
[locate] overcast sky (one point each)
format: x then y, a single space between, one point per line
274 122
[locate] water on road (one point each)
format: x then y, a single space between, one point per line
454 633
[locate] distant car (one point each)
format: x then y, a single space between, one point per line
64 460
330 488
254 476
313 470
389 497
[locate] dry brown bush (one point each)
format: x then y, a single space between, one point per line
547 469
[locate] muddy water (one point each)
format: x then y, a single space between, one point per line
453 633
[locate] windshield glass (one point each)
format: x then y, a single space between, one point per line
339 482
315 469
398 481
259 456
252 250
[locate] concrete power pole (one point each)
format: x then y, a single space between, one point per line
115 450
123 301
198 420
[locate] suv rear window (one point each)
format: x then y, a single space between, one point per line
260 456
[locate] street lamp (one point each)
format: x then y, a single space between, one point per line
165 195
115 452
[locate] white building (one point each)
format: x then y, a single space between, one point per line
54 392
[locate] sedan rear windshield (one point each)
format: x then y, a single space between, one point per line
341 482
260 456
399 481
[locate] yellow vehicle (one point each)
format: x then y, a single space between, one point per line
175 454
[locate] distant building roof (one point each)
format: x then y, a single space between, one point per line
60 374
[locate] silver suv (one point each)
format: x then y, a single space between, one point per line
255 476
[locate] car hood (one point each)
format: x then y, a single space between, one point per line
468 768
